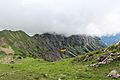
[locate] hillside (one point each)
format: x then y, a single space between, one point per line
101 57
83 67
51 47
21 43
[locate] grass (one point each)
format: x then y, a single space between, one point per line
38 69
2 53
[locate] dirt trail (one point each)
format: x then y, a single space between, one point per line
8 51
6 59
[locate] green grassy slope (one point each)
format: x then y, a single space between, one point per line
69 69
20 42
37 69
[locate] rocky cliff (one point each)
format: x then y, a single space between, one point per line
57 47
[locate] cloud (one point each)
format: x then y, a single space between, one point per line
93 17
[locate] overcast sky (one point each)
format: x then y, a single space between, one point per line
93 17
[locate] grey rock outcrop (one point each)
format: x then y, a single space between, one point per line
56 47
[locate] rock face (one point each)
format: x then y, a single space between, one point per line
56 47
114 74
48 46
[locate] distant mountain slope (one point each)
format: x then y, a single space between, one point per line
50 47
112 39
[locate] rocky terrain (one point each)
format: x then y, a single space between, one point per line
103 56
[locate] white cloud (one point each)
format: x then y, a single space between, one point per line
93 17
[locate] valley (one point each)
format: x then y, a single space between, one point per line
20 59
59 39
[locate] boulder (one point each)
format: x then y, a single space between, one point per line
114 74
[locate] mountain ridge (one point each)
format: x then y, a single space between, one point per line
51 47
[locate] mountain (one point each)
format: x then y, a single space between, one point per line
50 47
103 64
111 39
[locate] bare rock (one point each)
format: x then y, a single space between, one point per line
114 74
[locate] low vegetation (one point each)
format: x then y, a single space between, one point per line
38 69
23 65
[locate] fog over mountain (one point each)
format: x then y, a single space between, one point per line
93 17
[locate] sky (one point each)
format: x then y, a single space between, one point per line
92 17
